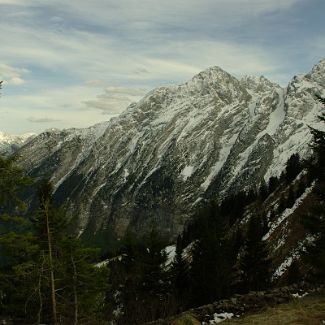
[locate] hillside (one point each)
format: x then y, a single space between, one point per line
278 307
309 310
180 146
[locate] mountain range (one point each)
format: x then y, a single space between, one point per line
9 144
180 146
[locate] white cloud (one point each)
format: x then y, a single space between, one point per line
114 100
12 76
75 49
34 119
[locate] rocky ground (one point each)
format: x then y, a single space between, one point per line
297 304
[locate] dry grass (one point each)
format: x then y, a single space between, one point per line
309 310
186 320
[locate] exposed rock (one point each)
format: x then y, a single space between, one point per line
179 146
242 304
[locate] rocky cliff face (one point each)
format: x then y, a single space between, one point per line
177 147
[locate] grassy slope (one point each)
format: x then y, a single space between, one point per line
309 310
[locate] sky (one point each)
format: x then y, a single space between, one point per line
76 63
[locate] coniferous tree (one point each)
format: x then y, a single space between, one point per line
211 265
291 198
180 277
49 224
254 262
293 275
263 191
69 268
30 275
314 221
18 246
293 168
144 289
273 184
83 284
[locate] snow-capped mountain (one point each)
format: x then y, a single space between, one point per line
9 144
177 147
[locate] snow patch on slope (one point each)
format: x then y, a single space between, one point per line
287 212
277 116
295 254
187 172
223 155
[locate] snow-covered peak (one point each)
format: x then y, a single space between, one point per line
214 73
10 138
258 84
318 72
214 77
177 147
9 143
319 66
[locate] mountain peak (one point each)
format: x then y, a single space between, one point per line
214 73
321 63
317 74
258 84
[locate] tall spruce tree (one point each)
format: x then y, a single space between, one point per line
83 285
142 279
314 221
18 247
180 277
211 264
50 225
293 168
73 286
254 262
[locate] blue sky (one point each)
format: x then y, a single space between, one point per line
75 63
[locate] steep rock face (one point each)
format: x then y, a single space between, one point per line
177 147
9 144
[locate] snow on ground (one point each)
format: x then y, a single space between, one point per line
277 116
287 212
171 253
297 295
218 318
283 267
227 145
295 254
102 263
187 172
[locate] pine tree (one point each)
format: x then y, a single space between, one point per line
211 263
69 268
291 198
263 191
84 285
254 262
293 168
18 247
314 221
293 275
180 277
273 183
49 224
143 285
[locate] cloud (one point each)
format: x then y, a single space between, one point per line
95 83
42 120
115 99
12 76
70 51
